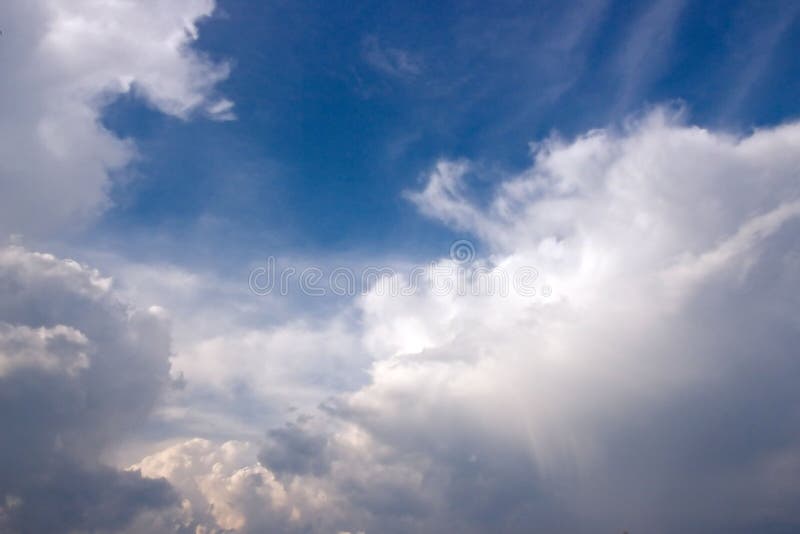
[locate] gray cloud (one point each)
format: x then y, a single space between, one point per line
79 370
71 497
294 450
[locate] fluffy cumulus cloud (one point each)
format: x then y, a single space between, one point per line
62 63
79 369
651 388
224 488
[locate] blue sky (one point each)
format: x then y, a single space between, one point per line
572 230
340 109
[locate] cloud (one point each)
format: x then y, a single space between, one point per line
243 361
294 450
241 380
393 62
79 370
57 349
652 391
757 50
225 487
646 48
63 62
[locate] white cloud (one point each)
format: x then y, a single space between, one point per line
62 62
278 362
659 372
243 360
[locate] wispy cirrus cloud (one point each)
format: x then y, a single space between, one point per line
388 60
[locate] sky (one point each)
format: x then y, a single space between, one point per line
418 267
